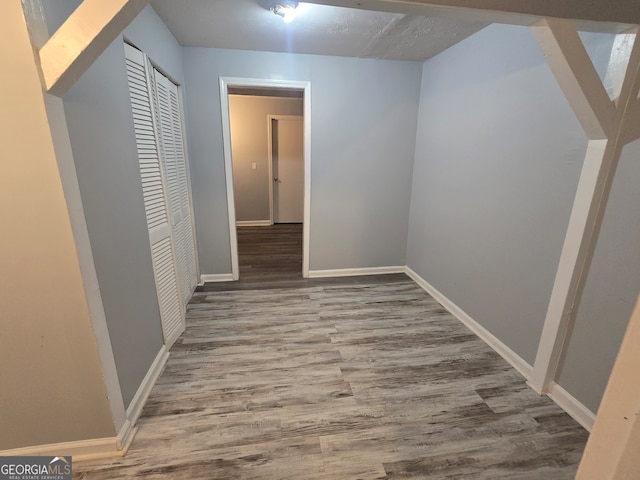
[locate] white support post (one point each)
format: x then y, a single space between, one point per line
578 78
594 185
592 193
82 38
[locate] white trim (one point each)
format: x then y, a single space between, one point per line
108 447
125 436
216 277
354 272
501 349
572 406
228 173
270 164
559 395
306 226
225 82
80 450
253 223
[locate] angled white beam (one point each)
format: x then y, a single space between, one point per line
82 38
522 12
578 78
594 183
582 234
614 443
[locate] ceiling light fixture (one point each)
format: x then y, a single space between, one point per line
285 9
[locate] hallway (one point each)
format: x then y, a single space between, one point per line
272 254
279 377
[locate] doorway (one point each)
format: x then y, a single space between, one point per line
288 181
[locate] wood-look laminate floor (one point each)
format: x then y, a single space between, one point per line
354 378
270 254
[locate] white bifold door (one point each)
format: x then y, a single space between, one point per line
161 154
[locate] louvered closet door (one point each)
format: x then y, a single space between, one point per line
153 189
185 204
173 158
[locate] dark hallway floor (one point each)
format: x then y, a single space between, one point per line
270 253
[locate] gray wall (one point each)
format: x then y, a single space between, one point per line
249 144
56 12
100 125
498 156
363 118
611 290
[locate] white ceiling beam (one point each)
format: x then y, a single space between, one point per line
599 14
82 38
576 75
585 222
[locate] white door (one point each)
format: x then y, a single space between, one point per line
174 166
154 193
288 169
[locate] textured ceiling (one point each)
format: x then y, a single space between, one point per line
317 29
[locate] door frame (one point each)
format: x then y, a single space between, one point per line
270 119
225 83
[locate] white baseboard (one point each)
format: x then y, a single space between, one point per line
128 430
108 447
501 349
80 450
572 406
216 277
253 223
352 272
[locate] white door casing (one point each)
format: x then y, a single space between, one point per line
305 86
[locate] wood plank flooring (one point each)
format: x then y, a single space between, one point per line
269 254
354 378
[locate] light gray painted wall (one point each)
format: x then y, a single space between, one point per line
363 118
56 12
611 290
100 125
498 156
249 144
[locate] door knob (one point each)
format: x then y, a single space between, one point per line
275 179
